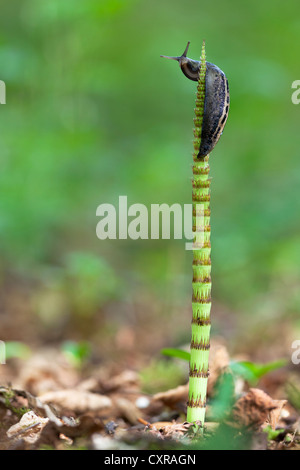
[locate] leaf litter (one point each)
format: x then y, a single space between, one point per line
62 407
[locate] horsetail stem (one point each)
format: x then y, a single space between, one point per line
201 299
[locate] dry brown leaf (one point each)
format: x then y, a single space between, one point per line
167 429
127 410
173 396
47 371
255 408
28 428
125 380
275 414
90 384
77 400
173 430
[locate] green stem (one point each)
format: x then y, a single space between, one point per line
201 301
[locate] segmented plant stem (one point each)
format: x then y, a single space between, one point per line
201 300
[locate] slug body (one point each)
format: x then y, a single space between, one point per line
216 104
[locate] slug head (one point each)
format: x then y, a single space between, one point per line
189 67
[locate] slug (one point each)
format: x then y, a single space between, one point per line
216 103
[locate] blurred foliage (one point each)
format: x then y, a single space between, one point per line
89 281
179 353
293 392
78 288
224 397
93 113
226 438
252 372
161 375
77 353
271 433
17 349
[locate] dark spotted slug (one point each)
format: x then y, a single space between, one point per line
216 104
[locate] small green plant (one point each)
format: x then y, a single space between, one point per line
177 353
293 393
251 372
76 352
273 433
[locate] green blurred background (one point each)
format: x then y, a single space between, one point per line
92 113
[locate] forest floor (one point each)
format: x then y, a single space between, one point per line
127 395
54 404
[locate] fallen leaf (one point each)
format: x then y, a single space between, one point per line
46 410
47 371
275 414
173 396
77 400
171 430
127 410
255 408
28 428
125 380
